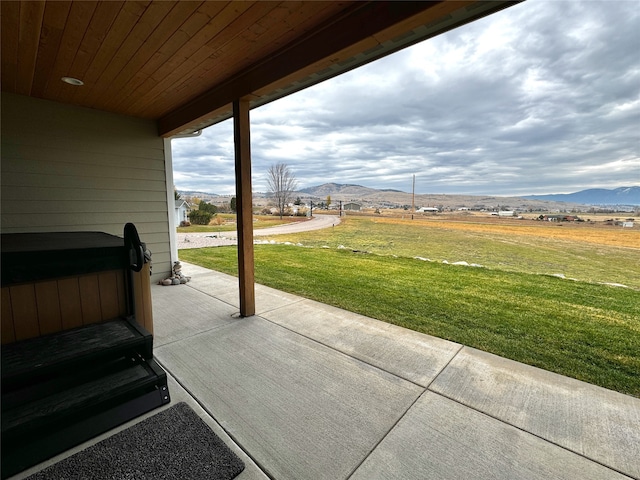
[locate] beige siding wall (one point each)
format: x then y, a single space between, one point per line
66 168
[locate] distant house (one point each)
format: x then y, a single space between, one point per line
559 218
428 210
352 206
182 211
506 213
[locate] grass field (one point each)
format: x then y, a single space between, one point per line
514 307
588 252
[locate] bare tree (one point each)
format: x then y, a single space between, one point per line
282 184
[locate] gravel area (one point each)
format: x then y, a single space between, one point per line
214 239
194 240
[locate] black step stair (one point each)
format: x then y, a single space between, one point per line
23 361
63 389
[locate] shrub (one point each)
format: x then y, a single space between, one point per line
199 217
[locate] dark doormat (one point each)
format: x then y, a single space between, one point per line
174 444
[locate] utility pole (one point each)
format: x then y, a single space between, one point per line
413 196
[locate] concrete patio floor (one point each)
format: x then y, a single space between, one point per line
303 390
310 391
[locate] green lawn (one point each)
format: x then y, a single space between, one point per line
583 330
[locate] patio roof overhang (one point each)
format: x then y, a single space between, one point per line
183 63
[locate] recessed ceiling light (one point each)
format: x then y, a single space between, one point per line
72 81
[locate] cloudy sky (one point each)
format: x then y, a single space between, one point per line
543 97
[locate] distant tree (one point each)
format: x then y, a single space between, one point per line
207 207
176 195
232 204
298 201
282 184
328 201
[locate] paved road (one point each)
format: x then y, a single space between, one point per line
213 239
315 223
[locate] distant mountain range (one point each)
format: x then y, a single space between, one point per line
596 196
593 196
627 196
195 193
340 189
390 198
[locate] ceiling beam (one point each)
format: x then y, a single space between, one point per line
359 22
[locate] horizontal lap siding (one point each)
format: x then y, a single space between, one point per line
66 168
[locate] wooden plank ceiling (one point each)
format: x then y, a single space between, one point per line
182 63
